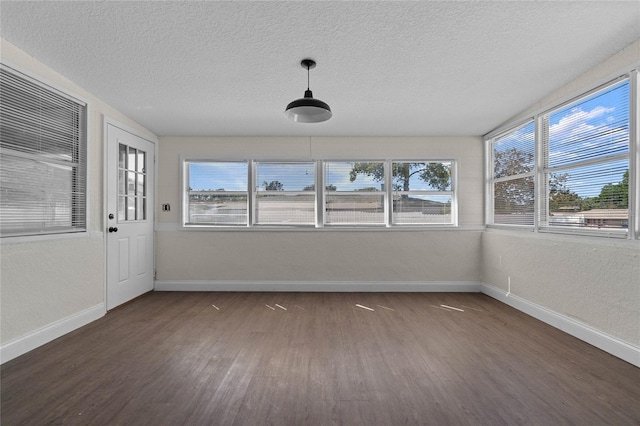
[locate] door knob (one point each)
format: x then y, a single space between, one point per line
113 229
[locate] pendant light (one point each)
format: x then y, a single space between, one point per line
308 109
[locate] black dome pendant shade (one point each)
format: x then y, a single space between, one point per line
308 109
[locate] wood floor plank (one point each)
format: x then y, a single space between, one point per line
318 359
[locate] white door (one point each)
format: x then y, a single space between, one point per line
130 180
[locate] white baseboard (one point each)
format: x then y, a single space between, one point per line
600 340
320 286
46 334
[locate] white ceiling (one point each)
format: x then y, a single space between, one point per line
385 68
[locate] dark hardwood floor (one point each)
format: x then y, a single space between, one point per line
175 359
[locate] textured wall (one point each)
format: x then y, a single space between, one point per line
359 256
594 281
321 255
46 281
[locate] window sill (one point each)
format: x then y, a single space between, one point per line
174 227
553 235
27 239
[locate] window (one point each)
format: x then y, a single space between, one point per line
581 182
217 193
513 176
132 184
285 194
354 193
422 193
586 164
266 193
43 139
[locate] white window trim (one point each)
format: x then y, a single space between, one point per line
634 155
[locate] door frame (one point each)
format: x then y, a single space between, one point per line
151 138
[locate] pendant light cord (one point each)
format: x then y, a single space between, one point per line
308 77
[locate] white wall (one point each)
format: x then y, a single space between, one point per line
313 255
593 281
47 282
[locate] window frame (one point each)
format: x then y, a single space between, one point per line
383 193
81 176
185 165
492 180
634 155
545 169
452 192
254 184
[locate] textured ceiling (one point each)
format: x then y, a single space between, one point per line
385 68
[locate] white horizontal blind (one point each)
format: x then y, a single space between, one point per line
217 193
285 193
586 164
43 160
422 193
513 176
354 193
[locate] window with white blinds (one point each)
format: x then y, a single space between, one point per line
512 177
422 193
43 165
586 163
217 193
285 193
354 193
582 183
318 193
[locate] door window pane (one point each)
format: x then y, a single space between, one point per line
131 184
